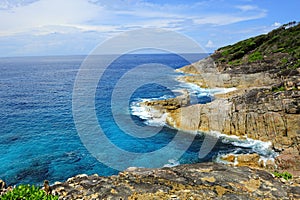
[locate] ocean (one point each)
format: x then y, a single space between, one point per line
39 138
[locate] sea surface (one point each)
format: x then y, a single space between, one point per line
38 136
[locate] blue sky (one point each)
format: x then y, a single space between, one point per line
72 27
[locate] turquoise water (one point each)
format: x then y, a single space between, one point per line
38 138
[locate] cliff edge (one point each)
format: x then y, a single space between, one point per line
265 70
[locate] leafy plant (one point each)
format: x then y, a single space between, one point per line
27 192
284 175
278 89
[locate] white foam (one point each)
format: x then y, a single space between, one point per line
262 148
200 92
219 160
224 90
151 116
140 111
172 163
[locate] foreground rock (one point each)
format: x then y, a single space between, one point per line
195 181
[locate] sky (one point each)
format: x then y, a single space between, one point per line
76 27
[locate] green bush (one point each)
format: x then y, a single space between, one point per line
235 62
225 53
27 192
278 89
284 175
255 56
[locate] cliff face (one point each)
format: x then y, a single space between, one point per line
197 181
258 114
265 106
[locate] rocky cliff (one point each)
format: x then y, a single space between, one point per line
265 71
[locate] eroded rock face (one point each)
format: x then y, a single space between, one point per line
258 114
194 181
265 106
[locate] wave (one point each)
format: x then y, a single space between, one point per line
246 145
149 115
172 163
194 88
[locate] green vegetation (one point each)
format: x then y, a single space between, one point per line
284 175
284 61
235 62
295 66
278 89
256 56
281 44
27 192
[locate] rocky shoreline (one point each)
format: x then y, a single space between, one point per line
193 181
255 110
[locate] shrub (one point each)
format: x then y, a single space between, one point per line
225 53
235 62
255 56
278 89
27 192
237 55
284 175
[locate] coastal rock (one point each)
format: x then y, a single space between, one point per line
255 110
252 160
170 104
266 103
248 160
193 181
2 187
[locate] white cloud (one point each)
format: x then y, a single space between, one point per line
246 8
41 20
276 24
225 19
48 16
46 13
8 4
210 44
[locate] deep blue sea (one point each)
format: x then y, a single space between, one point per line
38 137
